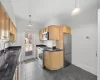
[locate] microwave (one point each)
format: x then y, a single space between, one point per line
45 36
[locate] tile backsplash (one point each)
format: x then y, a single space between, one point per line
49 43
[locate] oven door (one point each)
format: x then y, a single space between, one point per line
40 57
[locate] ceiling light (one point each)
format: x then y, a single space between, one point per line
29 25
76 9
30 22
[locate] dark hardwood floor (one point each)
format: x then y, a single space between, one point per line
31 70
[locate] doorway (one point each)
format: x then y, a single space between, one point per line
29 45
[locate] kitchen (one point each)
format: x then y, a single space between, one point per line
55 35
51 27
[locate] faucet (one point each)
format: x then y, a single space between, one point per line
5 46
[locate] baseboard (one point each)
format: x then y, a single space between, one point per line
87 68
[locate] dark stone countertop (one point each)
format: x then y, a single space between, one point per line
40 45
8 69
53 50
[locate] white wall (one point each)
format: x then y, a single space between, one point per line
52 21
49 43
84 50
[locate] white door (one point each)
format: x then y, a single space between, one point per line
98 44
29 45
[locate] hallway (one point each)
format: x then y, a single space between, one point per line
31 70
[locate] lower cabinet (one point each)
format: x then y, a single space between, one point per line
15 77
53 60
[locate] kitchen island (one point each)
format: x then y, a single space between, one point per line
7 70
53 59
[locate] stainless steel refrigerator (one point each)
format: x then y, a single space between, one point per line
67 49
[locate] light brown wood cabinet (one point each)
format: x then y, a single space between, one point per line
12 32
40 34
63 30
46 29
53 60
15 77
53 32
2 22
7 28
66 29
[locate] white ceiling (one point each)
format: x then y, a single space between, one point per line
43 10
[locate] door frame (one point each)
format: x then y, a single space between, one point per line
32 42
98 61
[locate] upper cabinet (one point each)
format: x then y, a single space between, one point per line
53 32
40 35
12 32
46 29
7 27
66 29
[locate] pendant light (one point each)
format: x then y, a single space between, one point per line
30 12
76 9
30 22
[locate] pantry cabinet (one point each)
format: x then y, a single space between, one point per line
7 28
53 32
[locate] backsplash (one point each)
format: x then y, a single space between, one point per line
49 43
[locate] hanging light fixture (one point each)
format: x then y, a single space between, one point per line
30 22
76 9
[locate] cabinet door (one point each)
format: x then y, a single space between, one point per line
7 29
40 34
11 27
46 29
53 32
2 23
14 33
15 77
11 31
66 29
